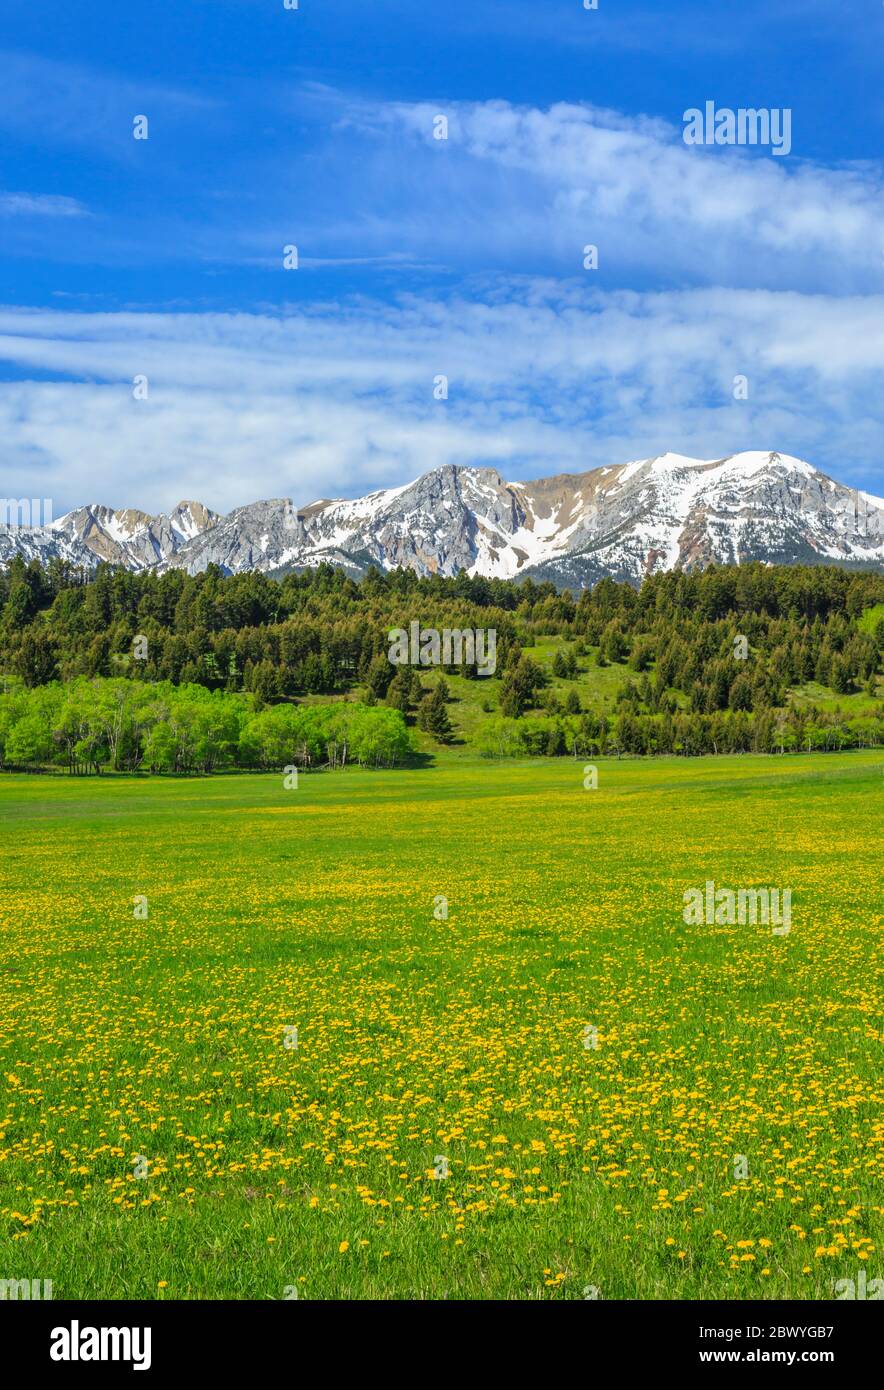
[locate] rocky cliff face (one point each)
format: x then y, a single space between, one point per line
91 534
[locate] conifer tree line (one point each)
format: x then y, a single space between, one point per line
707 662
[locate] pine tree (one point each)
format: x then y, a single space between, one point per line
399 691
436 720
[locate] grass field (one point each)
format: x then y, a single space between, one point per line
722 1139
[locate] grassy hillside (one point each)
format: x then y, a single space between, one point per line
597 688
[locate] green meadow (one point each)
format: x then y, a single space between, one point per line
442 1032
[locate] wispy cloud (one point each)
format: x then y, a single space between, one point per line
339 399
40 205
47 103
363 185
514 184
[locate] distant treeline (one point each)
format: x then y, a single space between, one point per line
707 658
688 734
126 725
96 724
320 631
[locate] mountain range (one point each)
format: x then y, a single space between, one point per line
625 521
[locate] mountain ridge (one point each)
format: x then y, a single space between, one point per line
625 521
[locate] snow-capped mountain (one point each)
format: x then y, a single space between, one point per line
625 521
128 537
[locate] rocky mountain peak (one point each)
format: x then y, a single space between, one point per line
624 520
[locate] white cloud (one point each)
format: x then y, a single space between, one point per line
519 183
338 400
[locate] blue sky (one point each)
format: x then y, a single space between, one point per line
418 257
